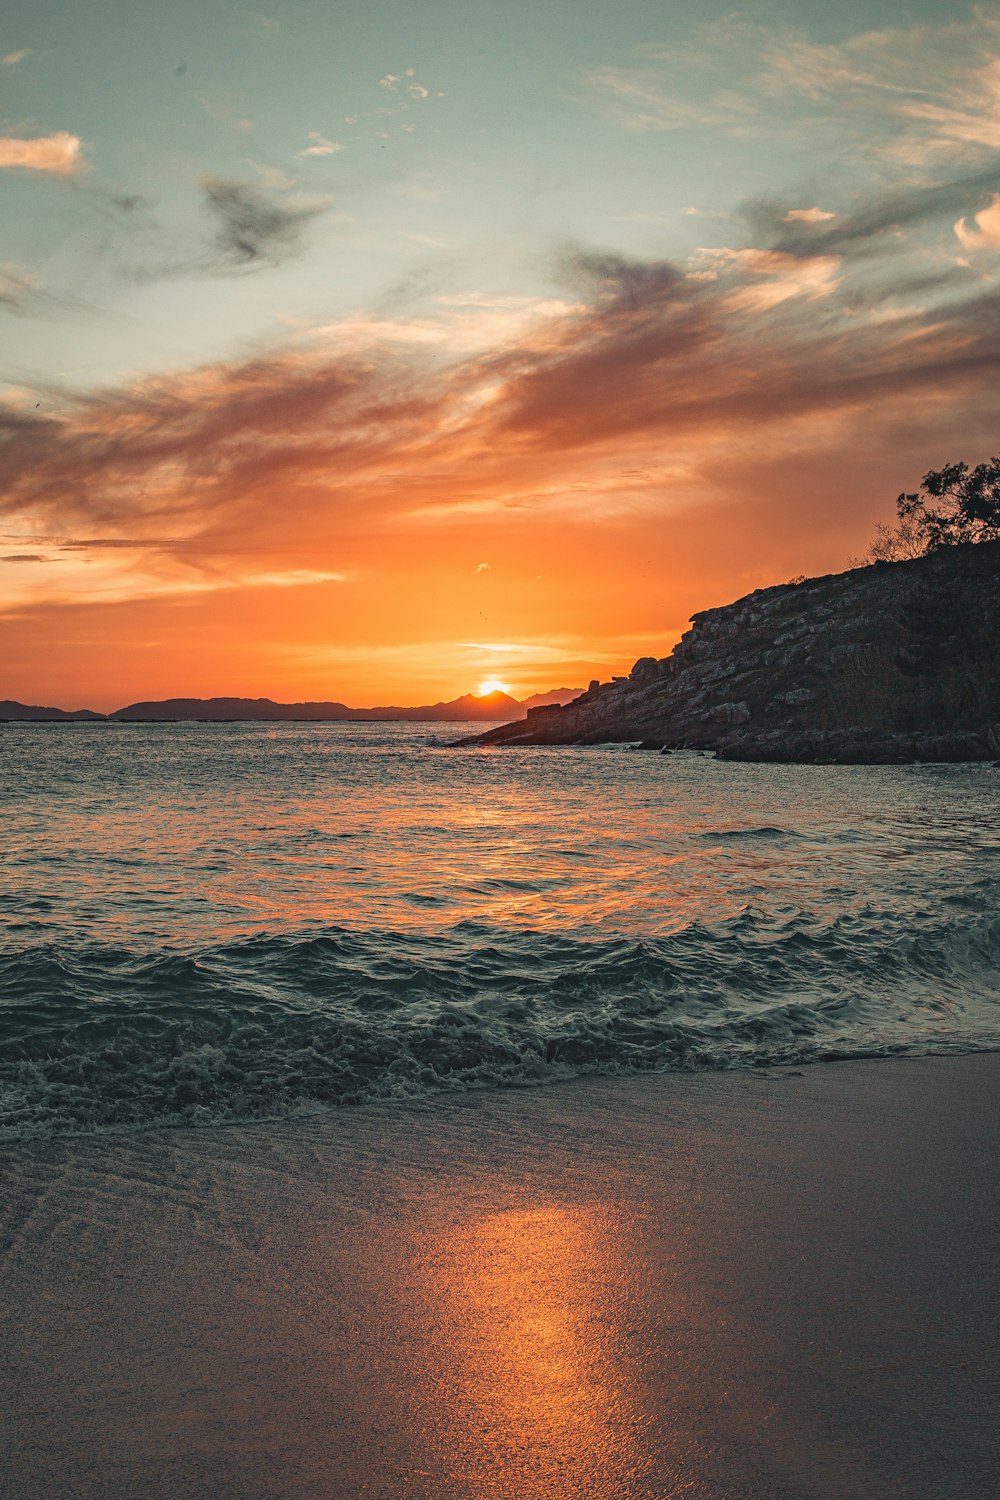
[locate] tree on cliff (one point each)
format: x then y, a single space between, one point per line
953 505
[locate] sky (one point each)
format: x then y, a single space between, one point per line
370 352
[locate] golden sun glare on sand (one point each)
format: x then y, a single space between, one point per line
491 685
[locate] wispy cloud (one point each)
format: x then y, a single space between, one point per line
404 83
643 95
628 398
876 221
986 234
908 94
321 146
808 216
769 277
256 227
22 294
11 59
58 153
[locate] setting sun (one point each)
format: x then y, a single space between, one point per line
491 685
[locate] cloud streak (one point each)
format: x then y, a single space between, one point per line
255 227
905 94
58 153
25 297
621 402
321 146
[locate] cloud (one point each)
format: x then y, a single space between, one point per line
12 59
968 115
618 281
659 389
986 235
58 153
902 94
23 295
808 216
391 80
290 578
17 289
24 557
321 146
255 227
776 274
98 543
644 96
874 223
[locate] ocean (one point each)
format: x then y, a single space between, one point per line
203 923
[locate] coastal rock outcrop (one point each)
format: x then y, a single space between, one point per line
888 663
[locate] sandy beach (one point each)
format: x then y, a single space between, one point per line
722 1287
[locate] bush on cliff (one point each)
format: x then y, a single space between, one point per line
953 505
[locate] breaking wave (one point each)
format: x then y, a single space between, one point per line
103 1036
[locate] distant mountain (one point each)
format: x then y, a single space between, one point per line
229 709
489 706
492 706
11 710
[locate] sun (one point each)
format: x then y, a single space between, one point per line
491 685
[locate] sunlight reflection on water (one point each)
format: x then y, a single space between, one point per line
203 922
193 832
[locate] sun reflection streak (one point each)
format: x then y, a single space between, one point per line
541 1395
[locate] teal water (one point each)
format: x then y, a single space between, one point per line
207 922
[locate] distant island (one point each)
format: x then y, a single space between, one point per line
488 707
891 662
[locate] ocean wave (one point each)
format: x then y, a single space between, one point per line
100 1036
769 831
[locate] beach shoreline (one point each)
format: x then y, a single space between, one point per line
727 1286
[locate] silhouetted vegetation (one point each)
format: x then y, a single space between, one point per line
953 505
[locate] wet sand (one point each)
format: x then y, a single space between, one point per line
721 1287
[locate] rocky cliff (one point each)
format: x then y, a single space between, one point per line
893 662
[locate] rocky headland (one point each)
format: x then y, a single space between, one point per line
893 662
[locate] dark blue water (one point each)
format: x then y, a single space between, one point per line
211 922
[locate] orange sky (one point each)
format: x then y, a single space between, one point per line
527 457
370 526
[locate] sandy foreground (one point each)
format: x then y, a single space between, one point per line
718 1287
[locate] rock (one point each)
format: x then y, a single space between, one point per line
645 670
731 713
815 669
